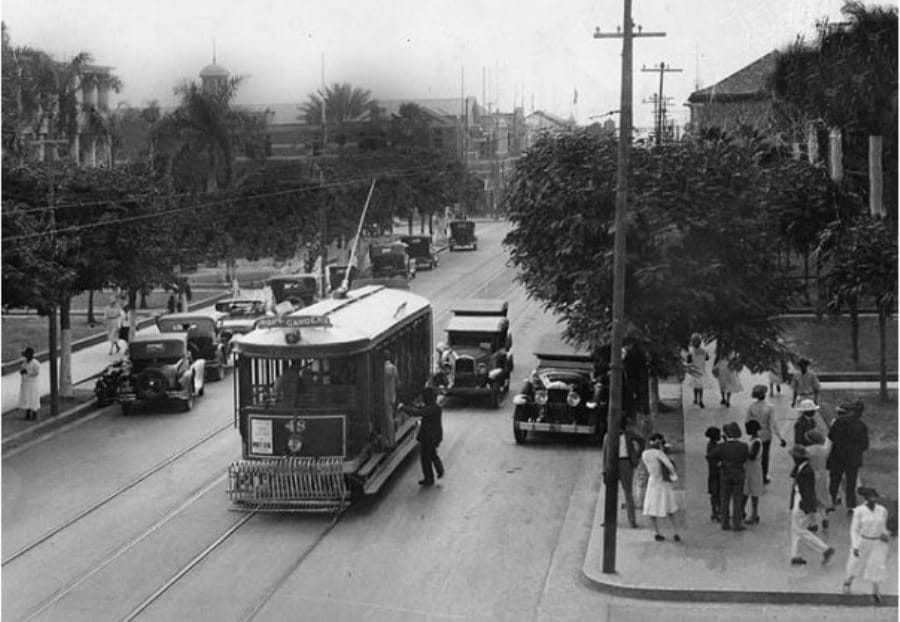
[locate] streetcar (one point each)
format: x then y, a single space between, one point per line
310 399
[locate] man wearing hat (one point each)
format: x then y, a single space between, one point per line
809 420
29 393
850 438
803 509
869 536
732 454
804 384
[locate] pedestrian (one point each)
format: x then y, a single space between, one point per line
29 392
818 449
170 304
659 499
754 485
869 536
391 386
630 448
732 454
778 375
430 435
809 419
803 509
804 384
112 319
696 359
726 369
714 473
125 325
850 439
764 413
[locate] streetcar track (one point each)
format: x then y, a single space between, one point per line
109 559
155 469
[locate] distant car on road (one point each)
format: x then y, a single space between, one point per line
206 338
301 290
158 368
421 251
462 235
240 314
561 395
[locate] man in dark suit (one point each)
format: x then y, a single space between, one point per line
803 509
851 438
630 446
732 454
430 435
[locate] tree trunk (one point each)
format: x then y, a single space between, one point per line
835 155
65 359
806 275
820 293
53 351
876 179
132 312
91 320
812 143
143 299
431 223
882 359
409 222
854 332
647 423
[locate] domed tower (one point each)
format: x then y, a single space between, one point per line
213 77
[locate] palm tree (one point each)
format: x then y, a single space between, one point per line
342 102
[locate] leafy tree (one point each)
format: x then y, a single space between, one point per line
699 245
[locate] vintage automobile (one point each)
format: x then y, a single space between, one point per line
462 235
336 274
479 347
421 251
160 367
239 314
301 290
561 395
207 340
391 261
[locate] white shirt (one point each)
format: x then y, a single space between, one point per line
869 524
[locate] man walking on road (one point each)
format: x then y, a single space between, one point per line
430 435
850 438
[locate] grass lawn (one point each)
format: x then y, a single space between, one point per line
826 342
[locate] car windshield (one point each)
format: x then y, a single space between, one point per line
462 227
242 308
418 247
166 351
472 340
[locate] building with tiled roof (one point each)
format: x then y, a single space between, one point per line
743 98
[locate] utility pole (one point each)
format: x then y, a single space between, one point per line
660 111
611 458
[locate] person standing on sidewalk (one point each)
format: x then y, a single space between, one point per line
112 319
809 420
818 450
732 454
629 456
726 369
659 500
430 435
850 438
697 358
804 384
763 413
125 325
29 392
869 537
754 486
714 474
803 509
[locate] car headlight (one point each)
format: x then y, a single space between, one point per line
540 397
482 369
573 399
520 400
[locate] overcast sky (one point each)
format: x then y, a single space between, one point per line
534 53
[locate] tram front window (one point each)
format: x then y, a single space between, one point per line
289 384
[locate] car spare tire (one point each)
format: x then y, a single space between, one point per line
151 383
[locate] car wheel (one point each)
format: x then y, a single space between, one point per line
150 384
202 391
521 436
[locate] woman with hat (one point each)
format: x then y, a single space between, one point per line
809 419
659 500
868 542
29 393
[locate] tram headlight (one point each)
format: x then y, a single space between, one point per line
540 397
573 399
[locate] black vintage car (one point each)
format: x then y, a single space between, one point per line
206 338
337 273
420 250
561 395
301 290
462 235
391 261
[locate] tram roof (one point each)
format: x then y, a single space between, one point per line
352 323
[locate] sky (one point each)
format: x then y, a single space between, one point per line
530 53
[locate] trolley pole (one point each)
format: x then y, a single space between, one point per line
618 311
661 109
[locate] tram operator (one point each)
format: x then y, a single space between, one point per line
430 435
289 384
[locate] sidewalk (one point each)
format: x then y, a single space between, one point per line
722 566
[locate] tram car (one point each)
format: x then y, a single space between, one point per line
310 399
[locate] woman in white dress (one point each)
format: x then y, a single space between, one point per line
659 499
696 369
112 319
29 392
869 537
726 370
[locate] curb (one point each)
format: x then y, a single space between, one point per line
48 425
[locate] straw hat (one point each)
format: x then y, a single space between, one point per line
806 406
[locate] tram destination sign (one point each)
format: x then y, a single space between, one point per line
294 321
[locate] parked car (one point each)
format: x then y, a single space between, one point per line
479 347
561 394
462 235
207 340
159 367
301 290
391 261
239 315
421 251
